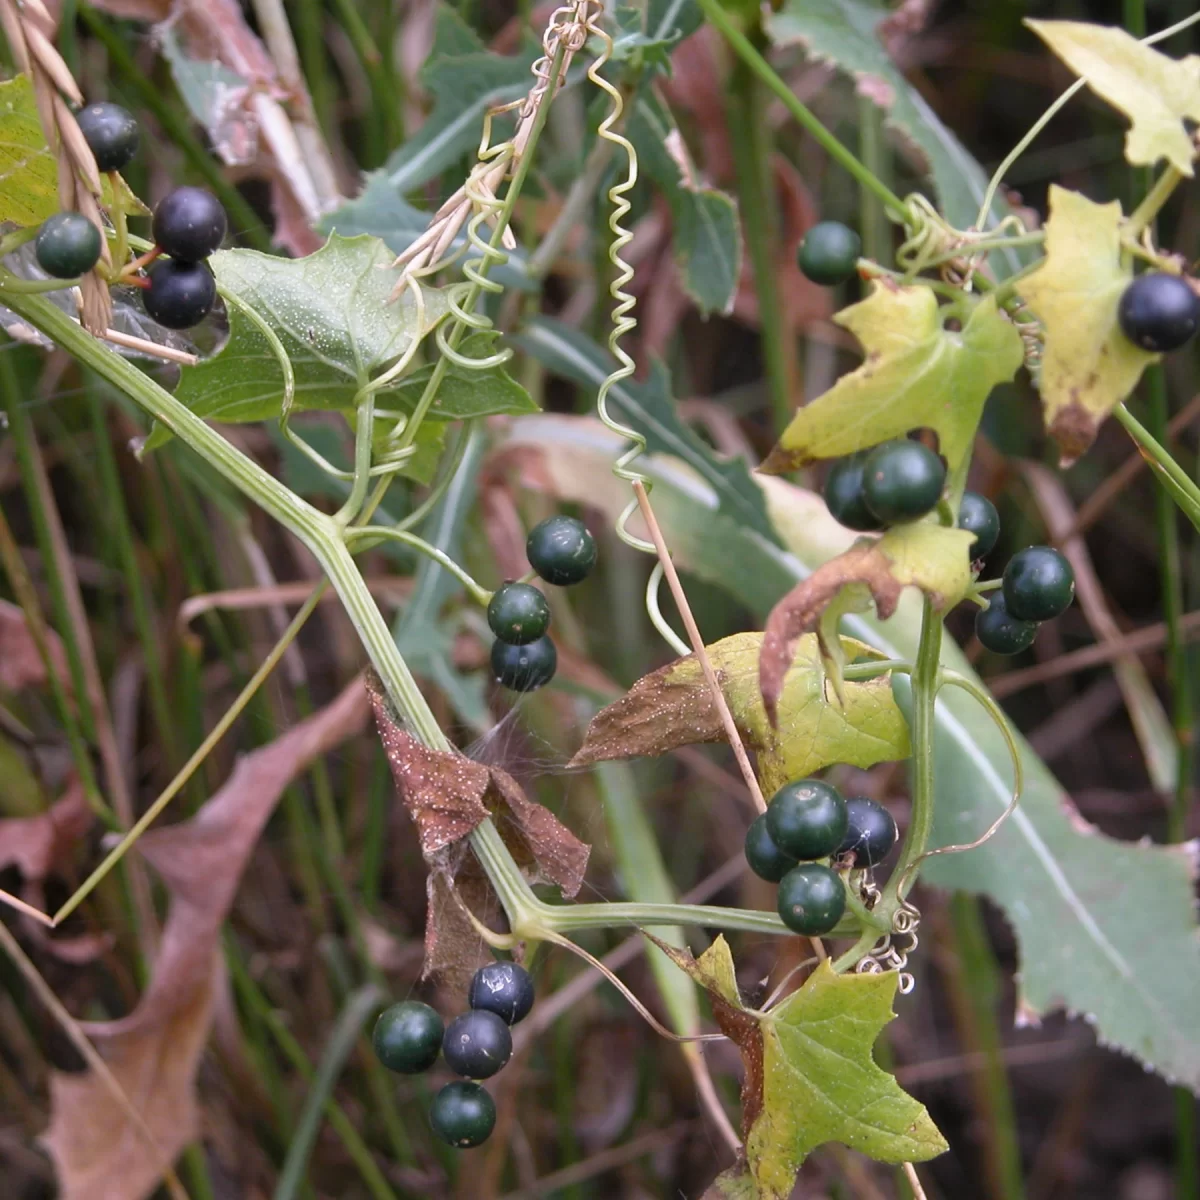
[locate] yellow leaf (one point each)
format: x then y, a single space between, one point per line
1089 365
1158 94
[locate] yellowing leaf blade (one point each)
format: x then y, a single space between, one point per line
1088 365
1155 92
916 374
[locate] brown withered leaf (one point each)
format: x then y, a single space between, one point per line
673 706
21 665
442 790
455 886
155 1050
931 557
35 845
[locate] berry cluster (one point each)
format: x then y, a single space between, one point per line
562 552
893 483
808 820
1038 585
188 225
408 1036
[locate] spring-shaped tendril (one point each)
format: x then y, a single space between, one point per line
623 302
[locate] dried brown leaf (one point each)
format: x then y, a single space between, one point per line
456 886
155 1050
537 837
21 665
36 845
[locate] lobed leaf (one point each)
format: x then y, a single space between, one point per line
1088 365
917 373
1158 94
673 707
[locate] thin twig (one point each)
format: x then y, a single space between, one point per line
910 1173
152 348
693 632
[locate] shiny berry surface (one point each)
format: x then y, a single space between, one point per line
477 1044
524 668
1159 312
870 833
67 245
811 899
561 550
829 253
807 819
843 493
189 224
902 481
180 294
111 133
503 988
978 515
999 631
766 859
463 1115
518 613
1039 584
408 1037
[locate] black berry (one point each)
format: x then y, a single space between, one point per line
999 631
111 133
477 1044
766 859
902 481
503 988
843 494
524 668
1159 312
829 253
67 245
189 224
408 1037
1039 584
518 613
807 819
978 515
870 834
463 1114
811 899
561 550
180 294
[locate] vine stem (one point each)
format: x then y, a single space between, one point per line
745 50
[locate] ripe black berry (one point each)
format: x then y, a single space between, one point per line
408 1037
189 224
843 494
870 834
503 988
518 613
477 1044
1039 584
111 133
1159 312
463 1114
524 668
978 515
902 481
180 294
766 859
999 631
829 253
561 550
811 899
67 245
807 819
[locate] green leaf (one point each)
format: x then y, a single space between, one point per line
1104 928
1158 94
845 33
464 81
334 317
705 231
463 393
381 211
916 374
646 35
673 707
28 171
810 1074
1088 364
649 408
429 442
